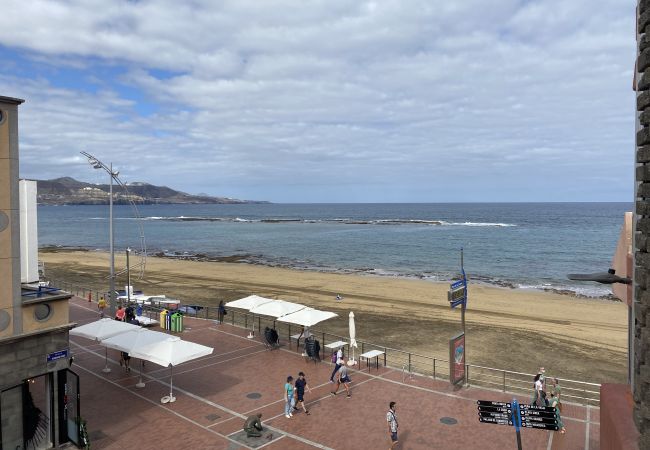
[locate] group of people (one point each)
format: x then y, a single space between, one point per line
294 395
540 397
126 315
340 374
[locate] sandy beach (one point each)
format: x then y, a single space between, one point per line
514 329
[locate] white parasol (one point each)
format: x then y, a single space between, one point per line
103 329
127 342
169 353
307 317
250 302
353 341
277 308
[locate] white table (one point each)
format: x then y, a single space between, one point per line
372 354
336 345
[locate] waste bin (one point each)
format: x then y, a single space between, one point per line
177 322
163 318
168 321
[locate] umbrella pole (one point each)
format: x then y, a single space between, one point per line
140 384
171 384
106 369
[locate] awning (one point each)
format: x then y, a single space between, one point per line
277 308
307 317
250 302
130 340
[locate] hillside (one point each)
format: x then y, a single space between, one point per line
68 191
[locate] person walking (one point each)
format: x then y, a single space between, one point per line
125 360
221 311
555 403
538 390
301 384
289 399
101 305
120 314
343 378
391 418
337 363
557 390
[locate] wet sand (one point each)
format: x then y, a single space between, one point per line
513 329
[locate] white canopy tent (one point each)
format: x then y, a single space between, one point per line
307 317
169 353
250 302
103 329
130 340
277 308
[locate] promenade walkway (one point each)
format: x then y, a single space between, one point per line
216 393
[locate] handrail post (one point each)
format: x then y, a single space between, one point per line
434 369
409 362
385 356
504 381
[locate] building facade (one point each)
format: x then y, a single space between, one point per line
39 401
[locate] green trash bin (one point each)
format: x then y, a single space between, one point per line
177 322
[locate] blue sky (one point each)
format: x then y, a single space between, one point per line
329 101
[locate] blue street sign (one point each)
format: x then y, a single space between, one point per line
57 355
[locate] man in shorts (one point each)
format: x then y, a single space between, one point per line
391 418
301 384
342 377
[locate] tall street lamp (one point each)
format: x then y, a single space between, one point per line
128 277
97 164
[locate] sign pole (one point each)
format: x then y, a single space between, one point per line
517 421
464 305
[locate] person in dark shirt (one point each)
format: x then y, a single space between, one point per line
253 426
301 384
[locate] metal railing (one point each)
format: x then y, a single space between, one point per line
411 364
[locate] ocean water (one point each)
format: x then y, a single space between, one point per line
526 245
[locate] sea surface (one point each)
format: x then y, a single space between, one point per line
521 245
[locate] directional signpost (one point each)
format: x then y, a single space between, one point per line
514 414
457 295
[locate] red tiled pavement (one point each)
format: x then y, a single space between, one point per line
212 402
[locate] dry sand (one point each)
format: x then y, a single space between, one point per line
518 330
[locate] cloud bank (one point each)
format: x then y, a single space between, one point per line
330 101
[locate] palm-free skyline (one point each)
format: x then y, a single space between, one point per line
329 101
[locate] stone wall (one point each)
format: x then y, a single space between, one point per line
26 357
641 385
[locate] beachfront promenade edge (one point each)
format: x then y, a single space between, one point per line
408 363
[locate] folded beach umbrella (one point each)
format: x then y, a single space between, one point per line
250 302
307 317
103 329
277 308
169 353
353 335
127 342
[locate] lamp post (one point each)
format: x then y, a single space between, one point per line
97 164
128 277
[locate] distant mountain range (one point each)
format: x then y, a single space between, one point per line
68 191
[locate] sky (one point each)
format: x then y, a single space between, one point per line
329 100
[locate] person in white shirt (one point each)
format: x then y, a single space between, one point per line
538 389
337 364
391 418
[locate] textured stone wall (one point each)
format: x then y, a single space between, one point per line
26 357
641 385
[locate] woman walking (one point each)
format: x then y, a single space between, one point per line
221 311
289 398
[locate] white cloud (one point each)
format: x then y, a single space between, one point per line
324 94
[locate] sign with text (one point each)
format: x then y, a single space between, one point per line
457 359
57 355
457 294
506 413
